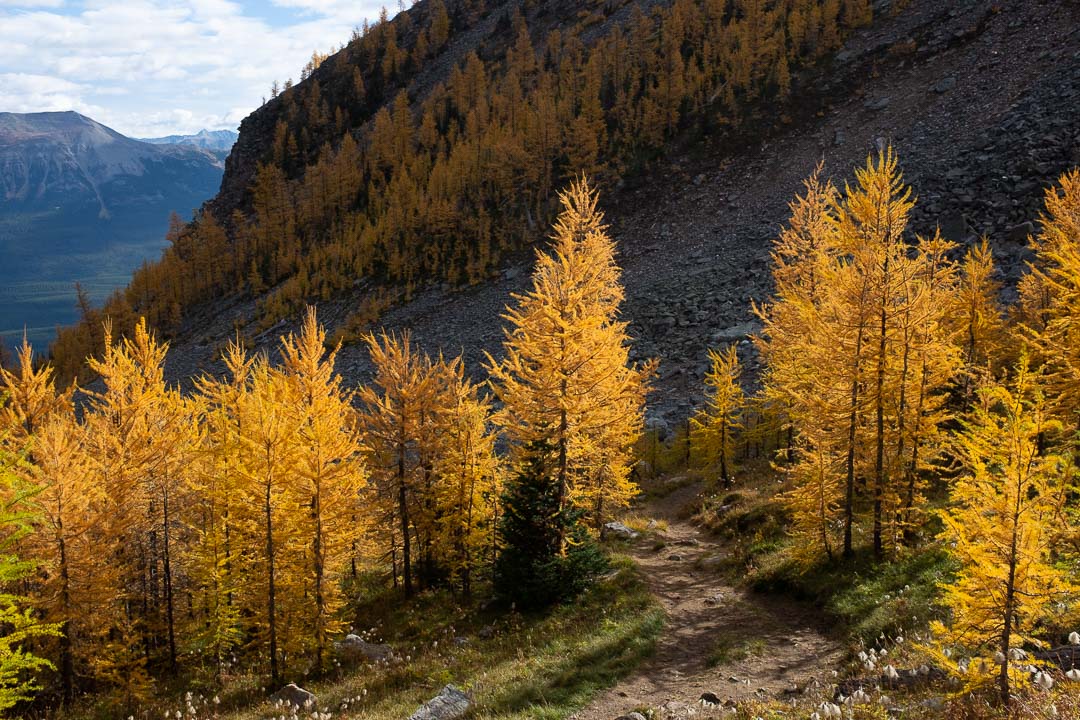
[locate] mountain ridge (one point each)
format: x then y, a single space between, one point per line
218 141
81 202
44 155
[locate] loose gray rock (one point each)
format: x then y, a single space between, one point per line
294 695
619 530
355 647
1019 233
675 710
450 703
945 85
737 332
877 103
934 703
631 716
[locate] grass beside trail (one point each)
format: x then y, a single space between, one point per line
513 665
865 598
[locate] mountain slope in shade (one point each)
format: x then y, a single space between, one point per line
79 202
213 140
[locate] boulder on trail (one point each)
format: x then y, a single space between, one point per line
449 704
631 716
294 695
619 530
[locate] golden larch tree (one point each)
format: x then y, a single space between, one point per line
978 300
1006 506
470 478
395 407
270 510
74 588
1050 296
328 474
713 428
566 378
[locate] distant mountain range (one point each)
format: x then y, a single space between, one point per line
79 202
214 140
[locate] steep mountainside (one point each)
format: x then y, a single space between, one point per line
433 145
981 127
81 202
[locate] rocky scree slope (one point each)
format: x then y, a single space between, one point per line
978 99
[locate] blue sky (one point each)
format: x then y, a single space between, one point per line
156 67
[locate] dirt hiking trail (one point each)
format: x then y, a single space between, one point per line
718 638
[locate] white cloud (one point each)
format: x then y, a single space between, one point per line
32 3
149 67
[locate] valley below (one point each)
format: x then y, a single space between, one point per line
82 204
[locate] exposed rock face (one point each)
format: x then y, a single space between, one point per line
449 704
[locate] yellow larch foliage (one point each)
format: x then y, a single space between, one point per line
128 426
66 543
929 361
29 395
1050 296
328 476
397 411
469 478
714 427
979 312
566 378
870 223
268 512
815 500
219 558
859 349
1005 510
